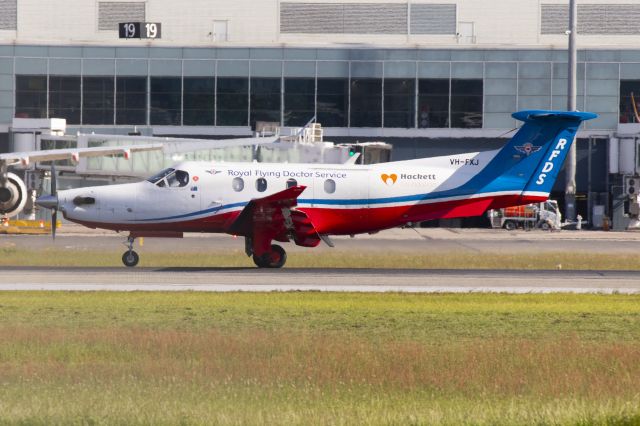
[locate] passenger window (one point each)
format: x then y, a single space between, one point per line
291 183
261 184
237 184
329 186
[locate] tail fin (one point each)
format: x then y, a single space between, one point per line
529 163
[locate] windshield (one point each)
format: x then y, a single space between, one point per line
170 178
159 176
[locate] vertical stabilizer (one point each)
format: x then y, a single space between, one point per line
528 165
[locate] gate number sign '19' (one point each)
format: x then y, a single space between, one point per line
140 29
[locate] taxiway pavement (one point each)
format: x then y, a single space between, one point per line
352 280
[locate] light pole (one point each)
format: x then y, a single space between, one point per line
570 171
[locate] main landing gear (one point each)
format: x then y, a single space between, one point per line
274 258
130 258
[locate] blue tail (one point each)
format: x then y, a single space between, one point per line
531 160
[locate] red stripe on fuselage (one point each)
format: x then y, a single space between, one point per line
341 221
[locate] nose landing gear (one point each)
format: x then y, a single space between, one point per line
130 258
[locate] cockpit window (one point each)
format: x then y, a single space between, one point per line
170 178
155 178
178 179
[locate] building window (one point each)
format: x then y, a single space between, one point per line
237 184
399 103
64 98
291 183
298 101
232 101
466 103
31 96
166 100
265 100
261 184
329 186
433 102
199 101
366 102
97 100
629 93
332 98
131 100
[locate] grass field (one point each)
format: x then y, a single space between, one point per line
318 358
62 256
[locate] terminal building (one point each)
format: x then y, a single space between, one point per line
430 77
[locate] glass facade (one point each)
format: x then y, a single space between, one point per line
343 87
466 103
265 100
629 101
399 103
64 98
299 101
433 102
199 101
31 96
166 101
232 101
332 102
366 102
98 100
131 100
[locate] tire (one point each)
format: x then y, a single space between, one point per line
545 226
276 258
510 225
130 258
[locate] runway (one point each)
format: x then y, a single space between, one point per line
340 280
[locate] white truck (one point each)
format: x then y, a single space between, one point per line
544 215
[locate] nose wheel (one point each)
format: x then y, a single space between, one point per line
130 258
275 258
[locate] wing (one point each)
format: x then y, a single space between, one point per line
273 218
27 157
168 145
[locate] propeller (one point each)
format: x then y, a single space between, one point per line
54 210
51 202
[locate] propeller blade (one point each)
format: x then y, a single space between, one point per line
54 222
54 186
54 192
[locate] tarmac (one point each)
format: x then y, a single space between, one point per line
422 240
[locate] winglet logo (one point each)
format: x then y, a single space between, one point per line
213 171
389 179
528 148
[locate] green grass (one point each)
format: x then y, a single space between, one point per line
318 358
60 256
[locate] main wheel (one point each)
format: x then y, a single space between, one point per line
130 258
275 258
510 225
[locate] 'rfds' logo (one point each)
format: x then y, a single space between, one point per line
528 148
389 179
548 165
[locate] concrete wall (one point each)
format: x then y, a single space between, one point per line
497 23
